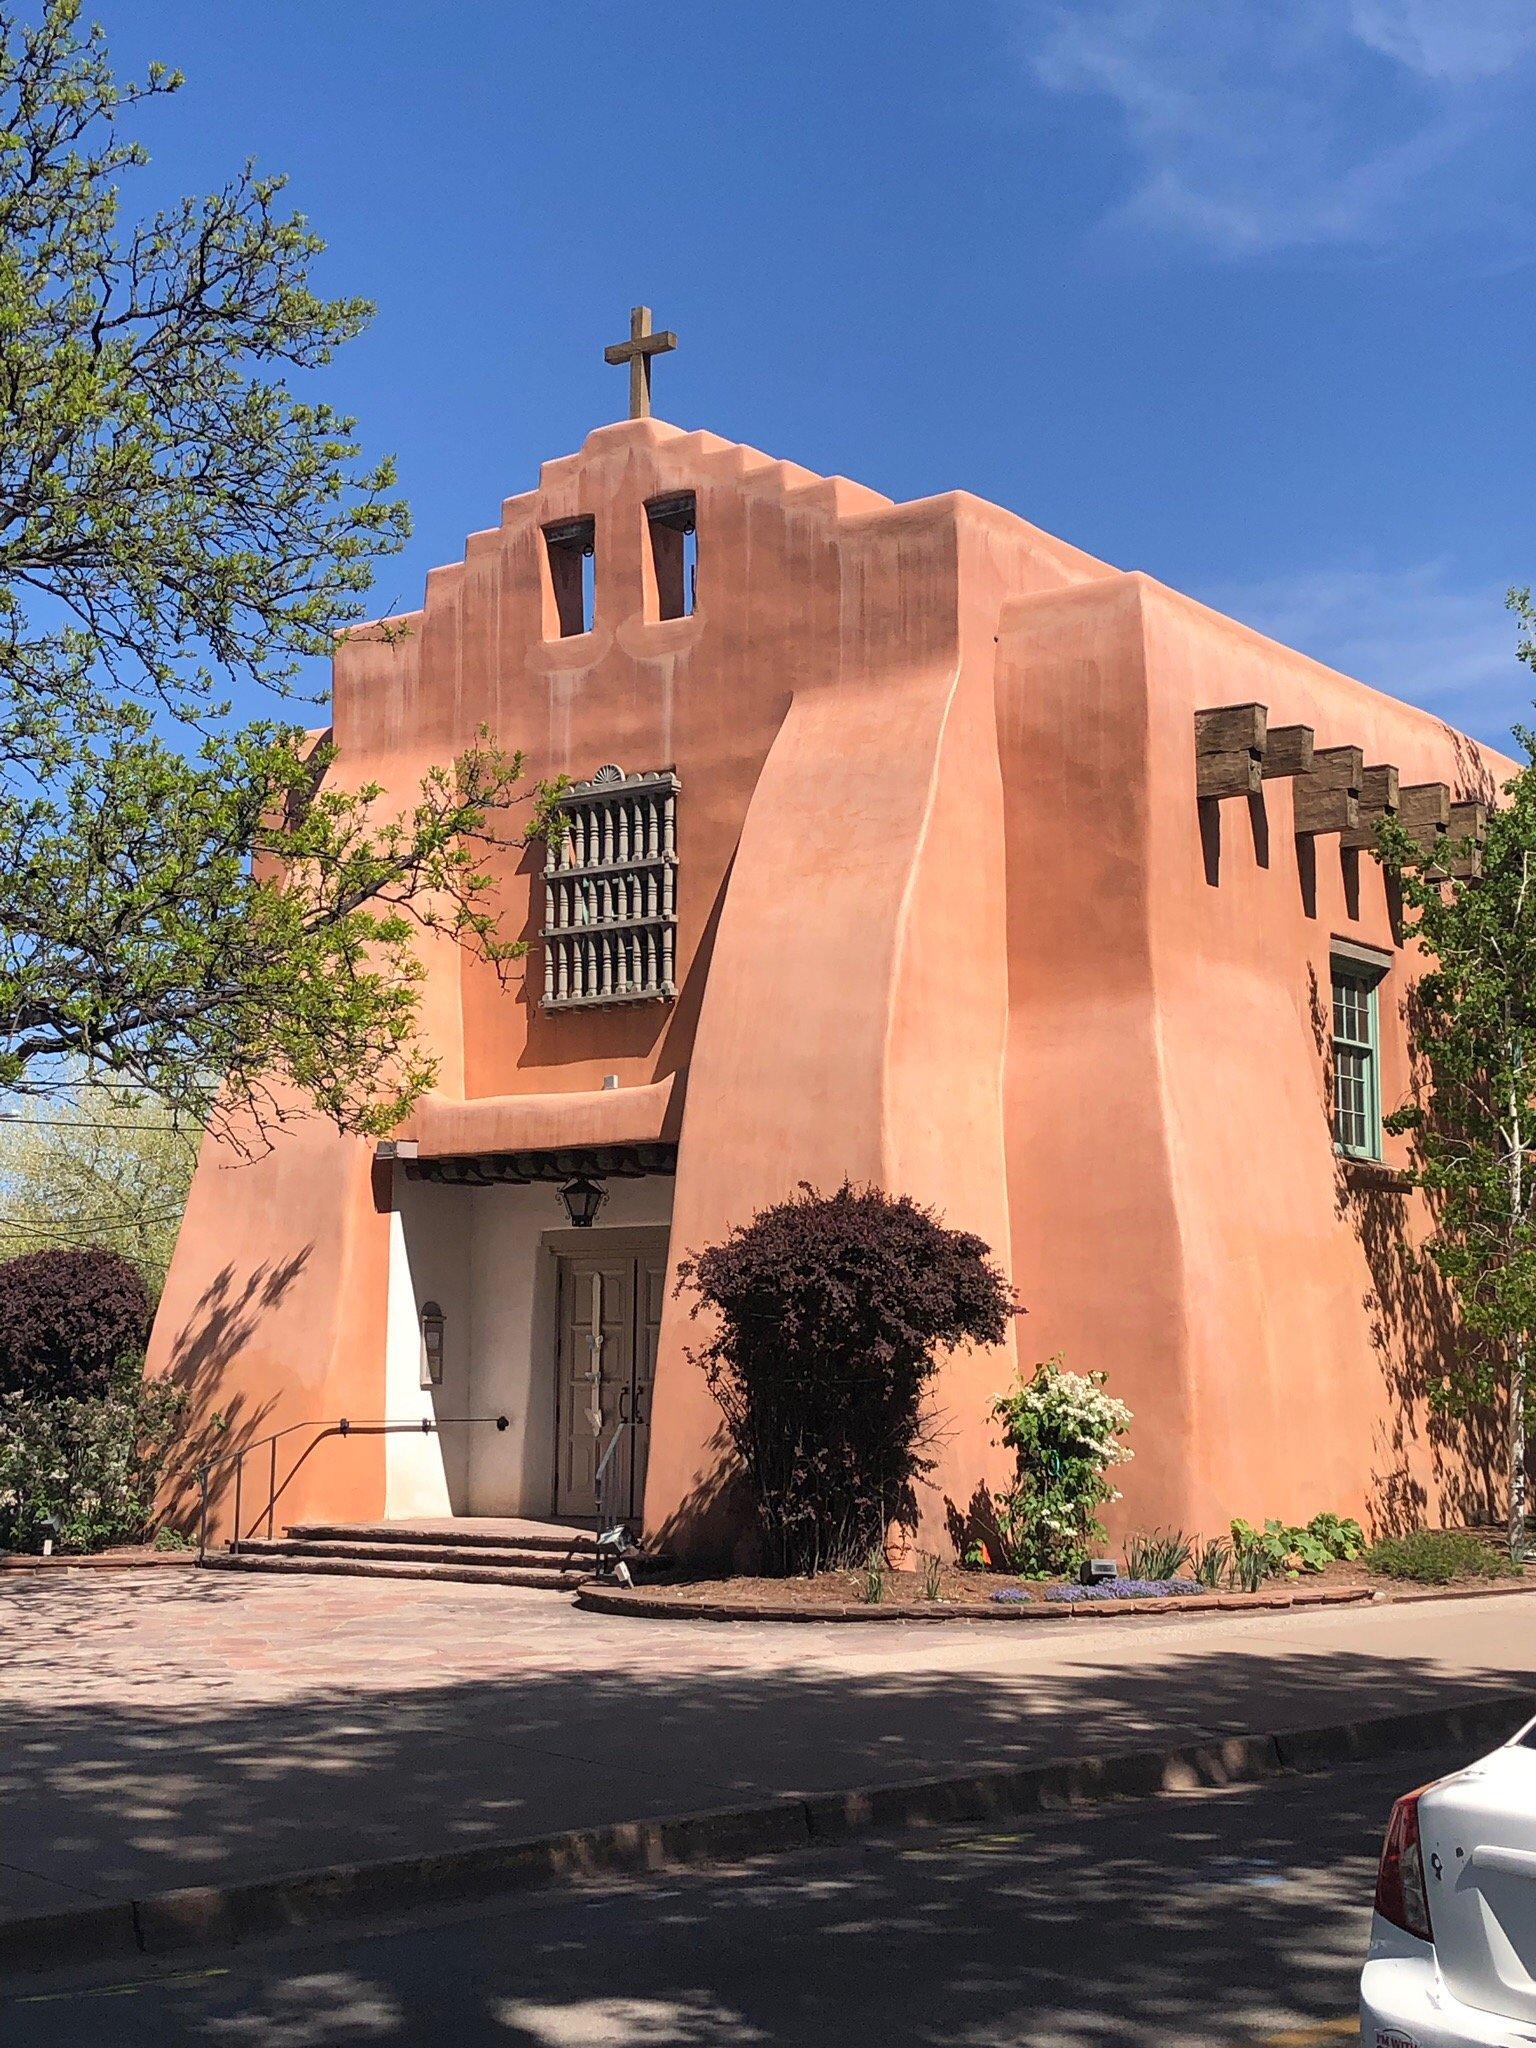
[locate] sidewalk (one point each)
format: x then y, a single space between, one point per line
172 1729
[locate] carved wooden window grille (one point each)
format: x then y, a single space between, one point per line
610 893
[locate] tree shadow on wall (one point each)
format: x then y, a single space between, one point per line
226 1317
1415 1335
1473 781
715 1524
975 1527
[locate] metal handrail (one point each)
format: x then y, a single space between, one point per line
625 1422
425 1425
598 1481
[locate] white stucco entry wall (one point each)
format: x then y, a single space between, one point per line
487 1257
428 1261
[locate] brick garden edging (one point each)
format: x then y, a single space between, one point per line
656 1606
636 1601
94 1560
215 1916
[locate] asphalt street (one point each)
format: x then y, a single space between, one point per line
1233 1917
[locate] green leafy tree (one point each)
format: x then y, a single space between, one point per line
212 921
1472 1020
95 1166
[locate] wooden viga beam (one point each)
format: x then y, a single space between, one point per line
1379 798
1465 826
1468 821
1424 812
1328 797
1237 750
1229 750
1288 750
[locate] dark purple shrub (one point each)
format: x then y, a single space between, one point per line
831 1311
68 1321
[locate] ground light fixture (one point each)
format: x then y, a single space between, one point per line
583 1198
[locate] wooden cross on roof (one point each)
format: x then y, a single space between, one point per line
637 352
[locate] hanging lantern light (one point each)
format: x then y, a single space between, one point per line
432 1327
583 1198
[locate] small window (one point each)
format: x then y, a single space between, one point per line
570 551
1356 1057
674 554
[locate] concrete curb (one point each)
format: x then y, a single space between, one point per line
216 1916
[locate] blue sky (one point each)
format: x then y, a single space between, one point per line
1240 295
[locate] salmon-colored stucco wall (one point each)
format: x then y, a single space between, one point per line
1180 1215
950 920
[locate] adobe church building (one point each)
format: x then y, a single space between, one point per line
910 845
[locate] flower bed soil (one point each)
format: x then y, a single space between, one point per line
967 1595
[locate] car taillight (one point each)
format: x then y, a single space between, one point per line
1401 1895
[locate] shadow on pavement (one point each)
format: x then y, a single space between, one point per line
126 1797
1221 1917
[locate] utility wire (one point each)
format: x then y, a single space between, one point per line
70 1226
69 1123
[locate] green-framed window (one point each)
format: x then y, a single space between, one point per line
1356 1056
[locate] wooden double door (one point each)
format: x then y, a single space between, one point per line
610 1317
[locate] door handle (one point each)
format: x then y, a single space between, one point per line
623 1398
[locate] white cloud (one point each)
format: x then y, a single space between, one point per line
1414 632
1457 40
1257 126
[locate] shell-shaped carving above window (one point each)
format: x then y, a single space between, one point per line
610 892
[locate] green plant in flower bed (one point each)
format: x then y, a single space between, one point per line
1292 1547
1251 1562
1434 1557
1342 1534
1159 1554
1211 1563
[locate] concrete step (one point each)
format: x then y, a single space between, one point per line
550 1581
472 1557
483 1532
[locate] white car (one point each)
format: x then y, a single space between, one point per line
1453 1938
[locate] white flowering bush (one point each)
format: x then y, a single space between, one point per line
89 1466
1066 1435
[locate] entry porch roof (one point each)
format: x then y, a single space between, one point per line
636 1127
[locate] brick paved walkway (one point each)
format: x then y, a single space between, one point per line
165 1728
